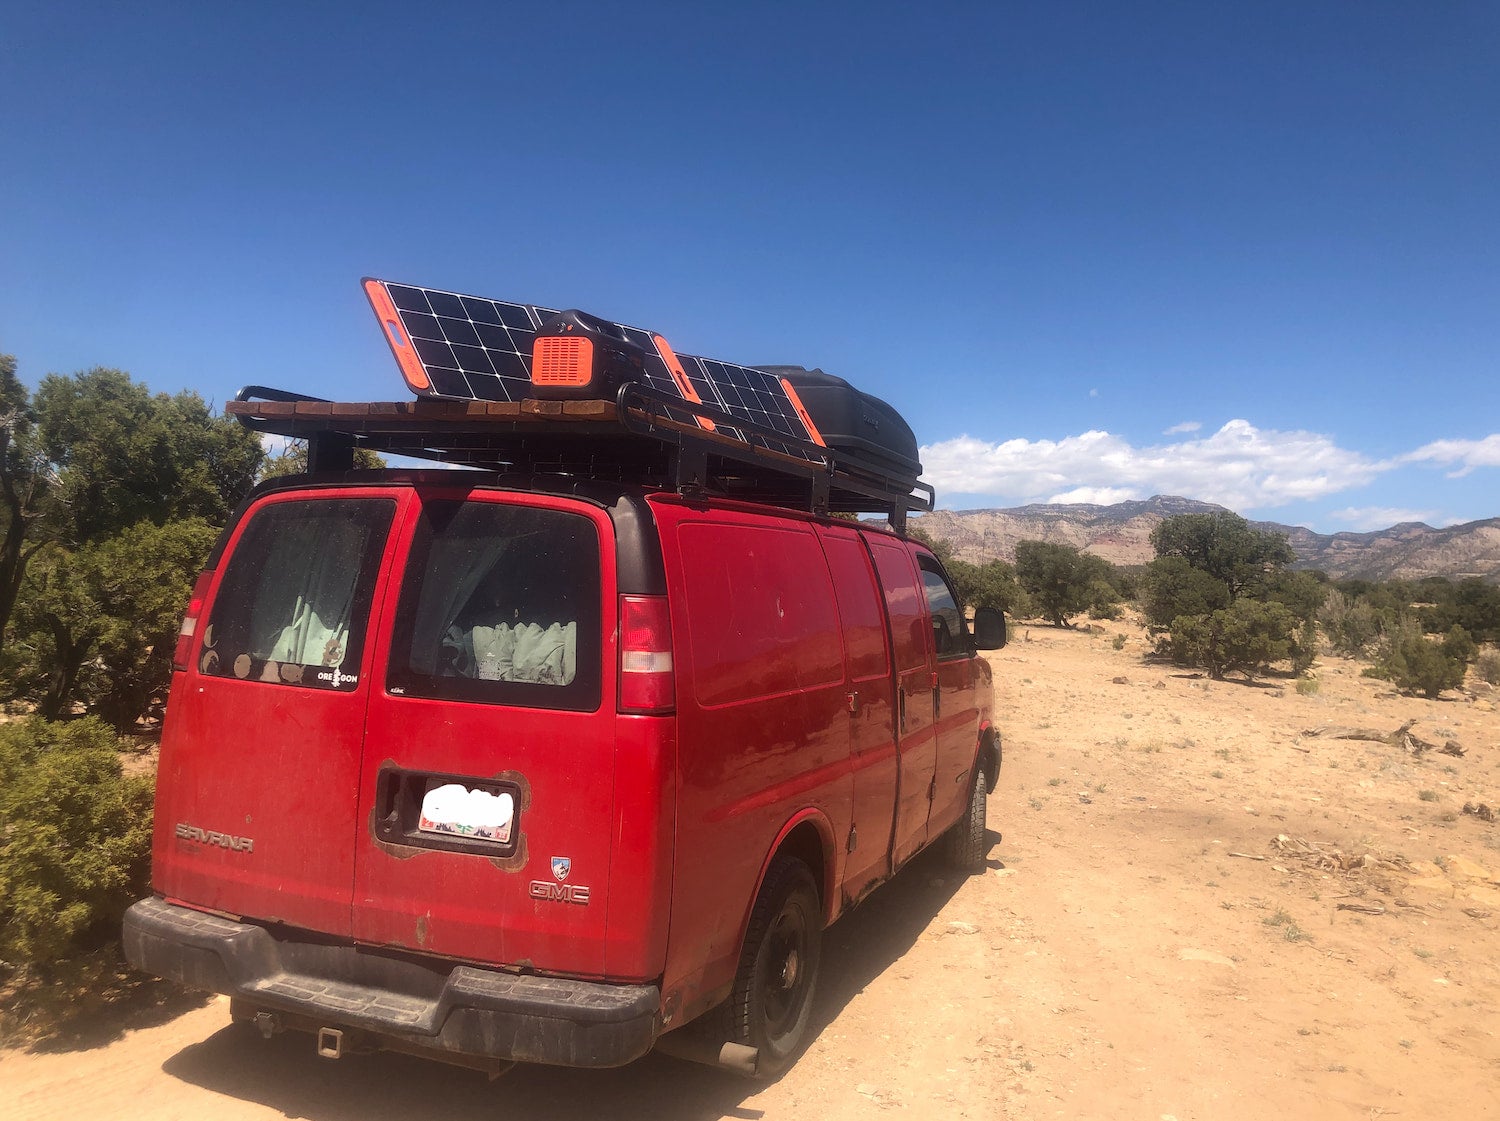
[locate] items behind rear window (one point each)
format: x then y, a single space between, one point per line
500 605
295 599
524 652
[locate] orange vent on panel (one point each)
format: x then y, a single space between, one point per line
562 361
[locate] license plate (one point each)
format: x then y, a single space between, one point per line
455 810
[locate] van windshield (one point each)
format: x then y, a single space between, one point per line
500 605
294 602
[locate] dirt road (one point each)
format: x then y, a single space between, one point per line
1142 946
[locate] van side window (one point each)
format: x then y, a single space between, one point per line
950 638
500 605
294 601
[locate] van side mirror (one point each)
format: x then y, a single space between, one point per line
989 628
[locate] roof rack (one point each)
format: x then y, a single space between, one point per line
642 436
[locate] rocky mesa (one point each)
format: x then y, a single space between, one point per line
1121 534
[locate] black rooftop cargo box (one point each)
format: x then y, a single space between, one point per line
852 420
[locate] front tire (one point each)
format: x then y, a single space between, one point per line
964 845
771 1004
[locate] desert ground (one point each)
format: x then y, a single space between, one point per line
1198 910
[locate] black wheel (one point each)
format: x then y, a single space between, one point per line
964 844
771 1004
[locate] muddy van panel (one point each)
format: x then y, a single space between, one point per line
762 711
872 699
915 691
496 694
958 690
261 752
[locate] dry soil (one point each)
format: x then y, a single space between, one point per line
1198 910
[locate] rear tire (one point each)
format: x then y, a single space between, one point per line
964 845
771 1004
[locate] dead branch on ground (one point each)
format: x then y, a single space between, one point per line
1402 737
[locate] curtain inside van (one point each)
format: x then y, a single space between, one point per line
297 590
500 604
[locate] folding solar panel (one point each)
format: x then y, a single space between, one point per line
454 346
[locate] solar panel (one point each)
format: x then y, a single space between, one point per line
454 346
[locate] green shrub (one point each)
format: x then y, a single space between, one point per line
1458 646
1244 636
75 839
1487 665
1307 686
1305 647
1413 663
1352 626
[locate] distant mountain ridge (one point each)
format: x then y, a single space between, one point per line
1121 534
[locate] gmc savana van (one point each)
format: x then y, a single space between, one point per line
548 761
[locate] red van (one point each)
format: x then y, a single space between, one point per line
500 766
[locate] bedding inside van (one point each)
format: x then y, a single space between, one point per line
500 604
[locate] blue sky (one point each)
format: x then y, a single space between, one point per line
1240 252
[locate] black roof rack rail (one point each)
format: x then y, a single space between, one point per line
642 436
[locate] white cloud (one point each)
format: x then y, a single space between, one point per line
1093 393
1468 454
1185 426
1096 496
1361 518
1239 466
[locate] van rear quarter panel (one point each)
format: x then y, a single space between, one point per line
762 714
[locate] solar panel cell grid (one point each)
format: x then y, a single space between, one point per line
479 349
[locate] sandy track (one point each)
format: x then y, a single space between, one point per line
1115 961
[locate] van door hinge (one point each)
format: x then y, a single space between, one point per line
853 837
932 789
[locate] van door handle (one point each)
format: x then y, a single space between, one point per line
901 705
854 703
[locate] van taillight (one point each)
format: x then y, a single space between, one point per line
190 620
646 683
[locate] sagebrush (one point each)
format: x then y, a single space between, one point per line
75 839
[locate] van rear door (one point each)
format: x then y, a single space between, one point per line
260 753
486 793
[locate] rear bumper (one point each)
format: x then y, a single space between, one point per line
436 1007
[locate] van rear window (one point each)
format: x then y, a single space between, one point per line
500 605
294 601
